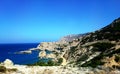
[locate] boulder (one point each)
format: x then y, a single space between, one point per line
8 62
42 54
51 55
48 71
47 46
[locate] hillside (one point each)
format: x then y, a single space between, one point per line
99 48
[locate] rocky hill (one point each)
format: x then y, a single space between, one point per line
110 32
90 49
71 37
99 48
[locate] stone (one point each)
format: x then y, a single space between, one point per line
42 54
8 62
51 55
47 71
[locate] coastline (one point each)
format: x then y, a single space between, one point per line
10 51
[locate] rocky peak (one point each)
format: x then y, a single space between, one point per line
115 25
110 32
8 63
71 37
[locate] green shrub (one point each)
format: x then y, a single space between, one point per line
83 58
56 53
64 45
58 63
41 63
97 60
50 63
117 51
3 69
94 62
60 60
102 46
13 69
117 58
73 49
71 62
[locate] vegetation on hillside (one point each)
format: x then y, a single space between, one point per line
102 47
48 63
3 69
110 32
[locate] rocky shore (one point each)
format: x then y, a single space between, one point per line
24 69
7 67
29 51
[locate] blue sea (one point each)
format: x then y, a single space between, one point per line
7 51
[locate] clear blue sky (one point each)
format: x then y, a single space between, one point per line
48 20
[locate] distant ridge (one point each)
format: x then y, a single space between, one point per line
71 37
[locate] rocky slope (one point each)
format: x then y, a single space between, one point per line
59 48
99 48
83 49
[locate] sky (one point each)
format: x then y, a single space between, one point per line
31 21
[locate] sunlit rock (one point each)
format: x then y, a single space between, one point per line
42 54
8 62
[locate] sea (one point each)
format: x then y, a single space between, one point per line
8 51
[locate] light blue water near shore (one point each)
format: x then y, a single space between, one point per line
7 51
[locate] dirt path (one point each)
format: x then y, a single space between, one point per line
64 61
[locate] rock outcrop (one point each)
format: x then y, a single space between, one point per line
51 55
55 48
42 54
48 46
8 63
72 37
